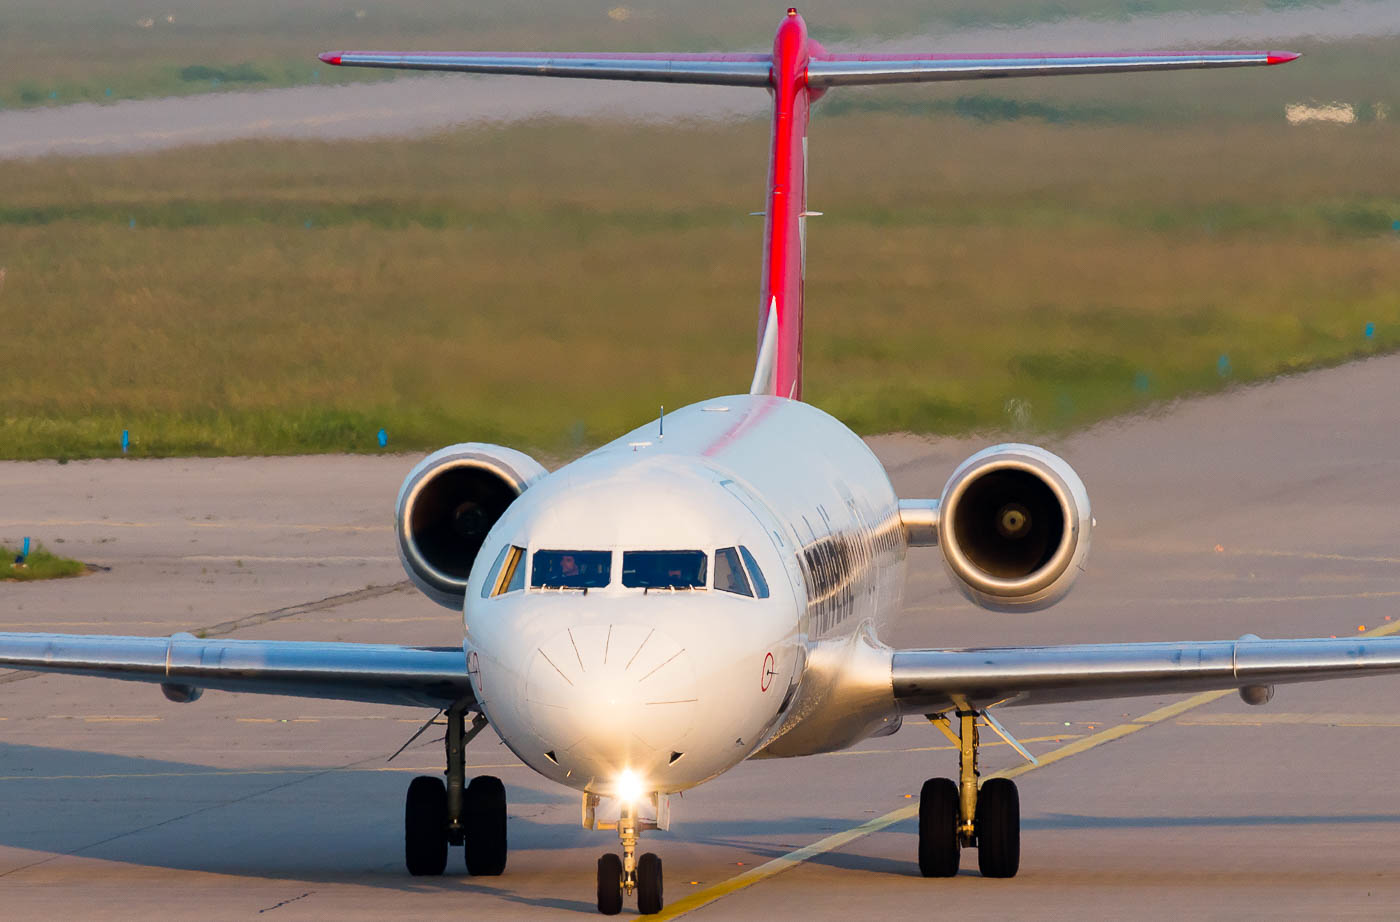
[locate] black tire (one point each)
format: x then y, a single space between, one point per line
484 822
425 827
939 851
610 884
998 827
648 884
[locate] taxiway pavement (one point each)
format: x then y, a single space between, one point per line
1270 509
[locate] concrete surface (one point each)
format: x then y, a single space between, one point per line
1271 509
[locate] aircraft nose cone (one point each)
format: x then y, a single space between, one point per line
611 696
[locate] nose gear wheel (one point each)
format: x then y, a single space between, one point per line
610 884
648 884
621 875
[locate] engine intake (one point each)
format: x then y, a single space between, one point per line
447 505
1014 524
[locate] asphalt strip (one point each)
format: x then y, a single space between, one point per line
792 859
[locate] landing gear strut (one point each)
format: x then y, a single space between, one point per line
958 815
618 876
437 815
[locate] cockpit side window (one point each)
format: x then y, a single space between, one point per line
664 569
488 587
507 574
571 569
513 576
759 582
729 573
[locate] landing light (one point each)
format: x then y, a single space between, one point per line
629 786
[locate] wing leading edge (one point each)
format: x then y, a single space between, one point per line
375 673
929 680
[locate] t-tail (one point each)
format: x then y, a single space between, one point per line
797 72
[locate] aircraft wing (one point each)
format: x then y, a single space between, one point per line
376 673
928 681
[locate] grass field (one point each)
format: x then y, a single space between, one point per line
986 261
40 564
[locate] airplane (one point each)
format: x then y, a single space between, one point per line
713 586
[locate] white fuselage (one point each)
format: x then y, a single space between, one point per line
678 685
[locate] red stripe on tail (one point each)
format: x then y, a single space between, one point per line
783 234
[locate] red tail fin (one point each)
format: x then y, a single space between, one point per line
796 73
779 369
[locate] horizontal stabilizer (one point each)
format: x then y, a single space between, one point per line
823 70
863 69
723 69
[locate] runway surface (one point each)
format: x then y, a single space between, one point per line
1270 509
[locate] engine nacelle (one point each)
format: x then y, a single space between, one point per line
447 504
1014 525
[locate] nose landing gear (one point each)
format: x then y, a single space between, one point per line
619 876
437 815
958 815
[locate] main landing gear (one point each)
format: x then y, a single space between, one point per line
958 815
619 876
437 815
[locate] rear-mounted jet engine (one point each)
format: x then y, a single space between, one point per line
447 504
1014 525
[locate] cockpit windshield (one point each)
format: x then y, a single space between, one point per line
664 569
571 569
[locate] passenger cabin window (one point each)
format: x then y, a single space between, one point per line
729 573
571 569
664 569
507 573
759 582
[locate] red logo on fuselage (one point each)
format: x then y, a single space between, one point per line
768 673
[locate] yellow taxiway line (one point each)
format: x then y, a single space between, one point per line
778 865
785 862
